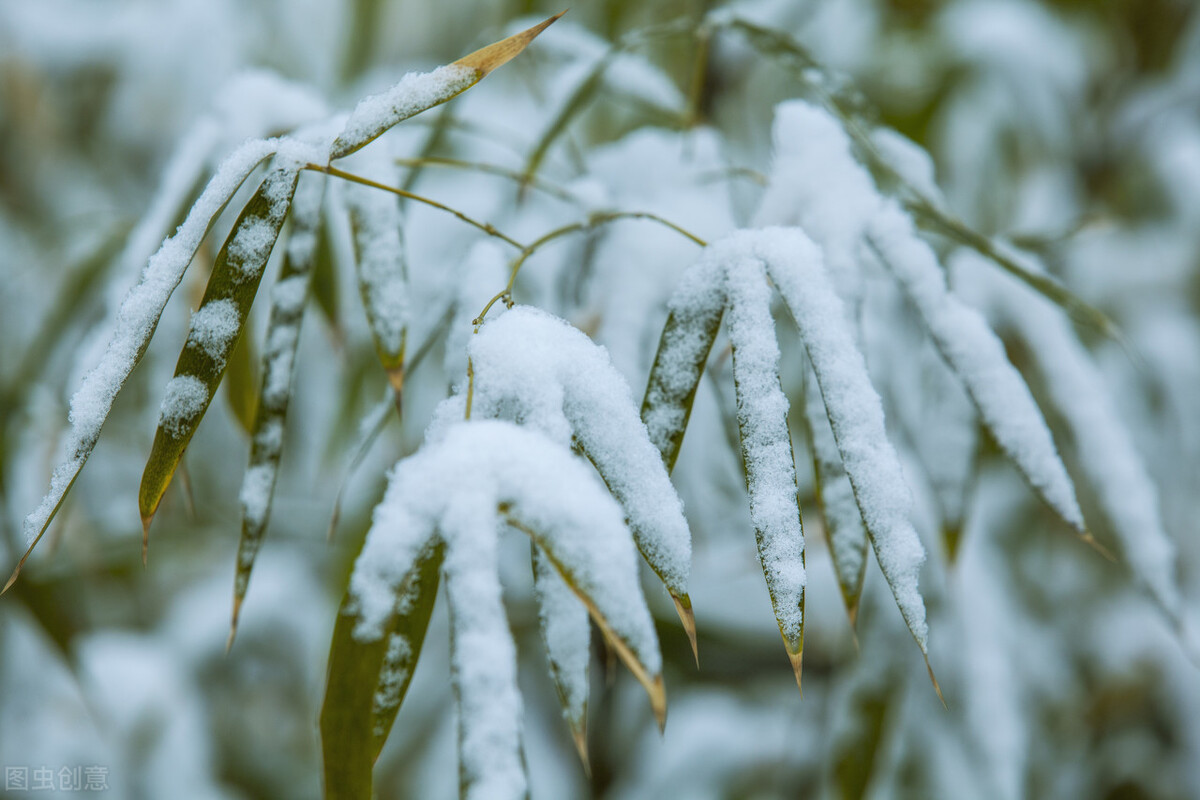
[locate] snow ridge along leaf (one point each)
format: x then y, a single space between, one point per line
215 329
289 296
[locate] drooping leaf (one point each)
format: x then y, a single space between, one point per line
692 325
215 329
835 499
367 679
382 282
977 357
241 383
766 445
289 296
566 634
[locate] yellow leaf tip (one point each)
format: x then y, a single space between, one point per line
146 520
937 687
496 55
683 607
658 701
579 736
797 659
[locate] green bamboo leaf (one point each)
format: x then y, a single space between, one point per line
857 751
241 383
325 292
576 577
367 680
215 329
835 500
288 298
687 338
566 633
419 92
575 103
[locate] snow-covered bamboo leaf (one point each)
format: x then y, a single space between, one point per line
458 484
535 368
835 500
135 324
762 410
214 331
417 92
382 283
693 322
1107 456
977 356
566 633
288 298
855 413
367 680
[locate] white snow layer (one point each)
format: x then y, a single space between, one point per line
184 400
414 93
977 356
537 370
567 634
214 327
377 227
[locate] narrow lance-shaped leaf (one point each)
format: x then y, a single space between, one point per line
855 414
417 92
566 633
367 680
766 443
977 356
379 250
215 329
135 325
835 498
288 298
551 376
693 322
241 383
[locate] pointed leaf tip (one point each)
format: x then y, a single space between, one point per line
579 736
146 520
937 687
683 607
658 701
797 659
489 58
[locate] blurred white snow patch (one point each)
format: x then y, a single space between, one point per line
910 161
260 102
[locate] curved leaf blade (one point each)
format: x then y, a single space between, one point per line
215 329
367 680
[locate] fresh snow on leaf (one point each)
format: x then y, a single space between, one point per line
762 411
411 95
213 329
377 225
567 634
536 369
977 356
1107 455
185 398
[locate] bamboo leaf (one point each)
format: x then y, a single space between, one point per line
417 92
835 499
136 322
767 448
324 280
382 281
367 680
566 633
288 298
977 356
241 383
692 325
215 329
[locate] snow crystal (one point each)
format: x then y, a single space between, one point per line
536 369
251 245
185 399
977 356
214 327
414 93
